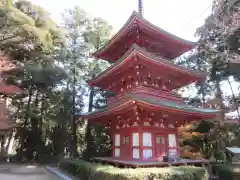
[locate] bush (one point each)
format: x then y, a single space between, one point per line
227 171
86 170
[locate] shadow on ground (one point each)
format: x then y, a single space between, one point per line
23 172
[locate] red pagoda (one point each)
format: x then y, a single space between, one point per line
5 66
6 125
144 114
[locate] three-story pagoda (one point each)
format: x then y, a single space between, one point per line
144 114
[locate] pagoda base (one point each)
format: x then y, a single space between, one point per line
134 164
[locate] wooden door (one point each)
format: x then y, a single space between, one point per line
160 146
125 147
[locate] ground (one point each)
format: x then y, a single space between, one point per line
24 172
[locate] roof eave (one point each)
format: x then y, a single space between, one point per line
134 14
136 100
137 49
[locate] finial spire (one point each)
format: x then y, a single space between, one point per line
140 7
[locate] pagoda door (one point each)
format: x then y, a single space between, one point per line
160 146
125 147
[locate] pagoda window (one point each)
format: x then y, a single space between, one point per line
126 140
117 152
163 140
117 145
147 154
147 139
158 140
172 146
172 141
117 139
135 145
147 145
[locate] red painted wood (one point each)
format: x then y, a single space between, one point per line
126 68
160 145
128 34
125 146
140 76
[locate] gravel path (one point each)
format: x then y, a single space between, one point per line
24 172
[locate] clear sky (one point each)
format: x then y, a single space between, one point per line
178 17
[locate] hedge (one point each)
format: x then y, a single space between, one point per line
94 171
227 171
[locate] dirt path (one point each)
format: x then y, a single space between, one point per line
24 172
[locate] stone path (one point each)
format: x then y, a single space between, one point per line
24 172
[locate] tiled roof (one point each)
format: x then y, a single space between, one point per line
154 58
144 21
153 101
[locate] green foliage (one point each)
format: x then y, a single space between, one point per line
217 53
227 171
54 65
25 26
87 171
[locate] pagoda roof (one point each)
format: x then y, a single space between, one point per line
108 51
9 89
155 60
151 102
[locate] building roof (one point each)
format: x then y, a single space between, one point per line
158 63
106 52
9 89
151 102
233 150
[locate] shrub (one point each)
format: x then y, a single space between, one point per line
94 171
227 171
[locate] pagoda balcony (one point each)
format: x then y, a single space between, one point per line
140 31
179 112
139 67
141 90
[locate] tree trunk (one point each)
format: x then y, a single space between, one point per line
10 143
222 107
201 84
91 95
41 116
74 125
7 138
234 97
89 137
26 118
34 121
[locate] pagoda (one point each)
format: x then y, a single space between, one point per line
6 125
5 66
144 114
